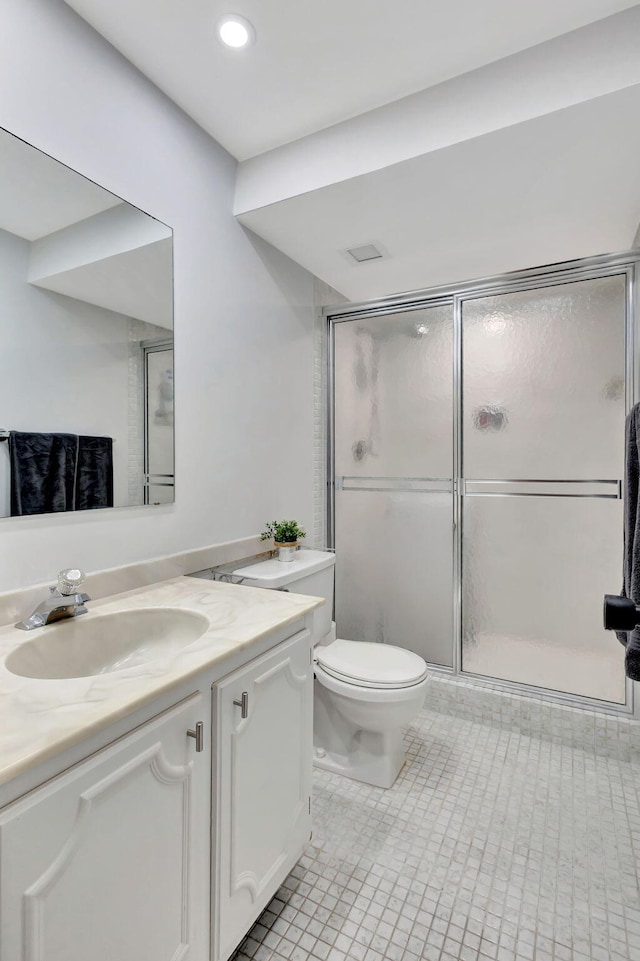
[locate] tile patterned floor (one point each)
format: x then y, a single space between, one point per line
491 845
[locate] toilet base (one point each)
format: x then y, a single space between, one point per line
374 758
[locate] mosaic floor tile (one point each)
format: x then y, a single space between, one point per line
491 846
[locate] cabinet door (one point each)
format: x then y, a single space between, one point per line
101 863
263 784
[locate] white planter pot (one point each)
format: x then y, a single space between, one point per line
286 552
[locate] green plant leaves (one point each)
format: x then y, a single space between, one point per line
283 532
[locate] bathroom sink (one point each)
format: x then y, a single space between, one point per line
102 643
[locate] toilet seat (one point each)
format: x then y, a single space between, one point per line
371 695
373 666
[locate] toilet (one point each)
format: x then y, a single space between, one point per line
364 693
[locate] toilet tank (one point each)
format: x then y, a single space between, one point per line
310 572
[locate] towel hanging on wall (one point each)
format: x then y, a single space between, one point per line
59 472
94 478
43 470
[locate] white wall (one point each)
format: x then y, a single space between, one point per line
243 312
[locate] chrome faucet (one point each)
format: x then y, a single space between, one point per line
64 601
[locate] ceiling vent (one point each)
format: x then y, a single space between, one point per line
364 253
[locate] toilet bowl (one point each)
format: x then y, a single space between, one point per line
364 693
363 697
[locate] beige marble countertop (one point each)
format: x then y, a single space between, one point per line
40 718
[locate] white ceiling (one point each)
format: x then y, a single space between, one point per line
316 64
464 138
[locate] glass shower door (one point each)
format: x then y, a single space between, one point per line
543 406
393 435
159 476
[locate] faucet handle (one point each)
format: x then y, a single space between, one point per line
70 579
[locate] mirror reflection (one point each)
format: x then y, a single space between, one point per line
86 356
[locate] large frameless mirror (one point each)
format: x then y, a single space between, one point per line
86 357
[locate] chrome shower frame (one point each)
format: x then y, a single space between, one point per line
590 268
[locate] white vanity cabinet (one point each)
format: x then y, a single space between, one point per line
146 844
262 719
104 862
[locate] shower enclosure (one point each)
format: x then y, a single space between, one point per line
475 465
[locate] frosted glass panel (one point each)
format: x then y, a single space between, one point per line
535 570
393 395
394 570
159 426
543 382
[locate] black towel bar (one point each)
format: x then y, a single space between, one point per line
4 435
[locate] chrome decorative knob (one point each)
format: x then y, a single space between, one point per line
70 579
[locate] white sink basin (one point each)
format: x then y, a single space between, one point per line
101 643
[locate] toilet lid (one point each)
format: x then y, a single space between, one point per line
371 665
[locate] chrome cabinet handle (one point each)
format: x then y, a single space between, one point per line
243 704
198 734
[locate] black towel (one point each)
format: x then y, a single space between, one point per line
631 563
43 472
94 481
59 472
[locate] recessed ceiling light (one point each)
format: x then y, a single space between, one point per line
235 31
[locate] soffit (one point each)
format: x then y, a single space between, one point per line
554 188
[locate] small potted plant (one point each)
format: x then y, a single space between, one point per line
285 537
